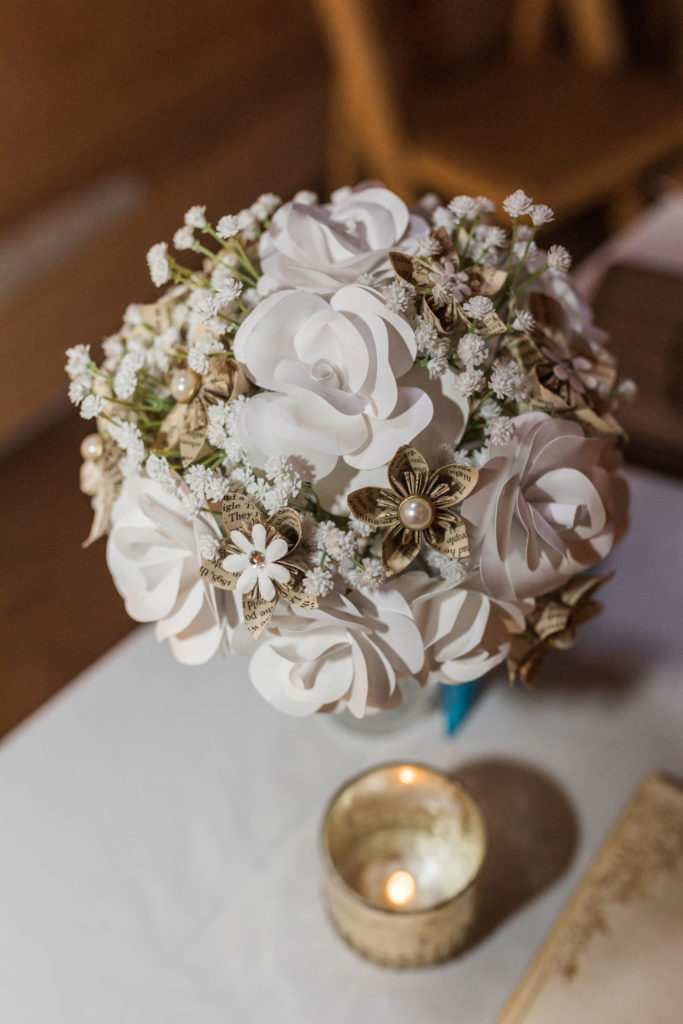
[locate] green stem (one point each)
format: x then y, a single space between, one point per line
531 278
513 239
470 235
515 273
239 249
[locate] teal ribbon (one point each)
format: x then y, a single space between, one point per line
457 700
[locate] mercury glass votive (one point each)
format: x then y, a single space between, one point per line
402 848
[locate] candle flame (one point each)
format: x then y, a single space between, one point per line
407 774
400 888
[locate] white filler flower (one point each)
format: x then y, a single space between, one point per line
257 562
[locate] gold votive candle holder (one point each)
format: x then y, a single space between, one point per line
402 849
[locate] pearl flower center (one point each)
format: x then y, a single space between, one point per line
92 447
416 512
184 385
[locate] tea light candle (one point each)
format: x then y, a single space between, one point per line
402 847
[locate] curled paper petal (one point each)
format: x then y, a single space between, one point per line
286 521
465 631
449 541
397 553
364 505
257 613
332 370
217 576
407 460
239 510
552 622
460 480
297 596
485 280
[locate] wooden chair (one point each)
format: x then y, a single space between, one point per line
572 130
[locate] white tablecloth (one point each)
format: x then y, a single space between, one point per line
158 825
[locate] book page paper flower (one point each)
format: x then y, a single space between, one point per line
552 623
419 505
258 563
186 426
101 479
565 378
442 295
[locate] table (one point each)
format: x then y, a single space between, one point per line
158 836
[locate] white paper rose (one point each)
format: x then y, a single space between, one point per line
350 652
331 370
320 248
154 554
465 631
547 504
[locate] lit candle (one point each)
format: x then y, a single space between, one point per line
402 848
400 888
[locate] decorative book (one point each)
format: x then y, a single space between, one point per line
616 954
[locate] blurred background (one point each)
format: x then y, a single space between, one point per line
116 118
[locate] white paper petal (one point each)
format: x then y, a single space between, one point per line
346 652
277 549
240 541
465 631
545 507
266 586
247 580
279 572
321 247
258 535
412 413
236 563
333 374
153 554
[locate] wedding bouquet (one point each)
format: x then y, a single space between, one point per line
358 443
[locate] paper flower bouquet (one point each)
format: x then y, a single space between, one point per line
358 443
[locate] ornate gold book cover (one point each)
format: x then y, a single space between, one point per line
616 954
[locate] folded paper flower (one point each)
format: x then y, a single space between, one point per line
101 480
258 563
187 424
552 623
445 285
576 378
419 505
